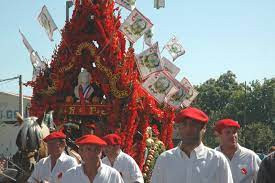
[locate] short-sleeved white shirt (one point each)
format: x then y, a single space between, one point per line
244 165
205 165
127 167
42 170
105 174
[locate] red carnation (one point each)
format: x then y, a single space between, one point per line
155 130
59 176
244 171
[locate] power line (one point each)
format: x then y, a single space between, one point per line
2 80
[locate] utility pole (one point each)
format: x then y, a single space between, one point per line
20 92
21 96
245 98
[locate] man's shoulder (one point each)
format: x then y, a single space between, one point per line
214 152
169 153
247 152
74 169
109 169
126 157
43 160
67 158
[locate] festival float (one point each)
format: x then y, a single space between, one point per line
92 75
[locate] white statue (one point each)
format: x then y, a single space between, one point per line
84 89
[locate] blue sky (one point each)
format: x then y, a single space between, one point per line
236 35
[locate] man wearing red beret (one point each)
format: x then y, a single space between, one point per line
51 168
191 161
121 161
88 129
243 162
91 169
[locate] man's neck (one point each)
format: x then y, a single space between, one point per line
188 148
229 151
113 157
90 169
54 158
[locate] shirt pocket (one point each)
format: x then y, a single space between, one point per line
244 172
204 172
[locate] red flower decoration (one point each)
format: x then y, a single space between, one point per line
155 130
244 171
59 176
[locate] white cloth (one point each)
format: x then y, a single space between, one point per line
244 165
127 167
205 165
105 174
42 170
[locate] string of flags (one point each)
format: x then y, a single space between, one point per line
158 74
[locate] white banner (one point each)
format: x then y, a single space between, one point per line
158 85
128 4
149 61
182 94
26 43
135 26
148 37
174 48
190 90
169 67
159 4
47 22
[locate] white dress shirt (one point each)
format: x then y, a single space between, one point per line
205 165
127 167
105 174
42 170
244 165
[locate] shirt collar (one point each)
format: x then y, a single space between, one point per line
198 151
238 152
61 158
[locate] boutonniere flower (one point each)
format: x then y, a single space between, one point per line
244 171
59 176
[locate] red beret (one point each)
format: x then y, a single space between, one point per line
224 123
192 113
112 139
90 140
54 135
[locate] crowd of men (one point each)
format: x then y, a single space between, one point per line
190 162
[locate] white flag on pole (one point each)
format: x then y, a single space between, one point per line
170 67
128 4
26 42
159 4
37 63
174 48
182 94
135 25
47 22
149 61
158 85
148 36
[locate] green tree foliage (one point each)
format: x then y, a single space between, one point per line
246 103
257 136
